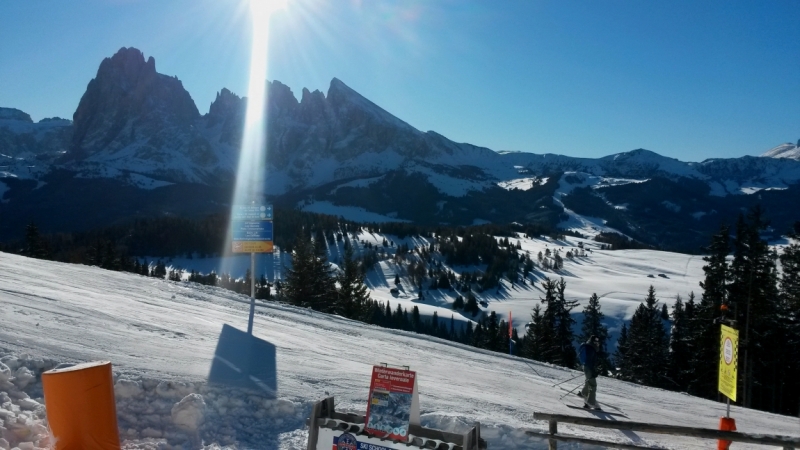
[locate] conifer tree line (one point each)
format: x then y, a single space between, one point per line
744 289
746 285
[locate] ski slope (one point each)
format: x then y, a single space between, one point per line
161 337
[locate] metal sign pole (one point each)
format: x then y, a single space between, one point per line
252 293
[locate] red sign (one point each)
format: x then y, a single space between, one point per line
391 394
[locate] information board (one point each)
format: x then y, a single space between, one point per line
251 229
728 362
393 403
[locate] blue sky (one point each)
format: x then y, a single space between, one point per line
688 79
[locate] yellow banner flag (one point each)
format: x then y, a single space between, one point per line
728 362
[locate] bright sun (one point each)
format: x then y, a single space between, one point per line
262 9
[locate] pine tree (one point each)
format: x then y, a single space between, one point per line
789 315
353 293
533 347
478 336
754 298
309 282
593 326
468 333
790 265
620 354
547 336
679 350
647 356
493 340
34 247
416 321
704 362
387 314
564 337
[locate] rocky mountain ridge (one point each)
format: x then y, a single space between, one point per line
141 130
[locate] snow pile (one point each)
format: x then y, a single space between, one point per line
183 413
151 413
22 409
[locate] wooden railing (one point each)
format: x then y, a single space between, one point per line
787 442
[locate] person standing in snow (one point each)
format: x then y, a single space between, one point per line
588 352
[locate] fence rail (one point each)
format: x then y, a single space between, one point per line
787 442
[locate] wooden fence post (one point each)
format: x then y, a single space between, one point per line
552 443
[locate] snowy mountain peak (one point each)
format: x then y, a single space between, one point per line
640 154
787 150
342 97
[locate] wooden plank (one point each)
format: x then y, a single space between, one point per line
780 441
313 429
605 444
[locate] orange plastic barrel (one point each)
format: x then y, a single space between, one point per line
80 405
726 424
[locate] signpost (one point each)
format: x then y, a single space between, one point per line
251 229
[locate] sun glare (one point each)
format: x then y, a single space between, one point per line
250 176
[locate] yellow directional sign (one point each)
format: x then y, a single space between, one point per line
728 362
252 246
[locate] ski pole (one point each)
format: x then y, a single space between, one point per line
532 368
567 381
570 392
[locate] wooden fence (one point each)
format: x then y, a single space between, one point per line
787 442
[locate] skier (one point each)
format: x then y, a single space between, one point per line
588 355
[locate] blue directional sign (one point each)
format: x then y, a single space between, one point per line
252 230
252 212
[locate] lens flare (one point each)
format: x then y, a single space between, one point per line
251 172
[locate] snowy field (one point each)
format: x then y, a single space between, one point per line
161 337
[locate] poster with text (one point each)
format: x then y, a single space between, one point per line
393 403
728 362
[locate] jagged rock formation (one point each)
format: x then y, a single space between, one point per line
129 101
20 137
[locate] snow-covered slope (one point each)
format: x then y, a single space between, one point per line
161 338
787 150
